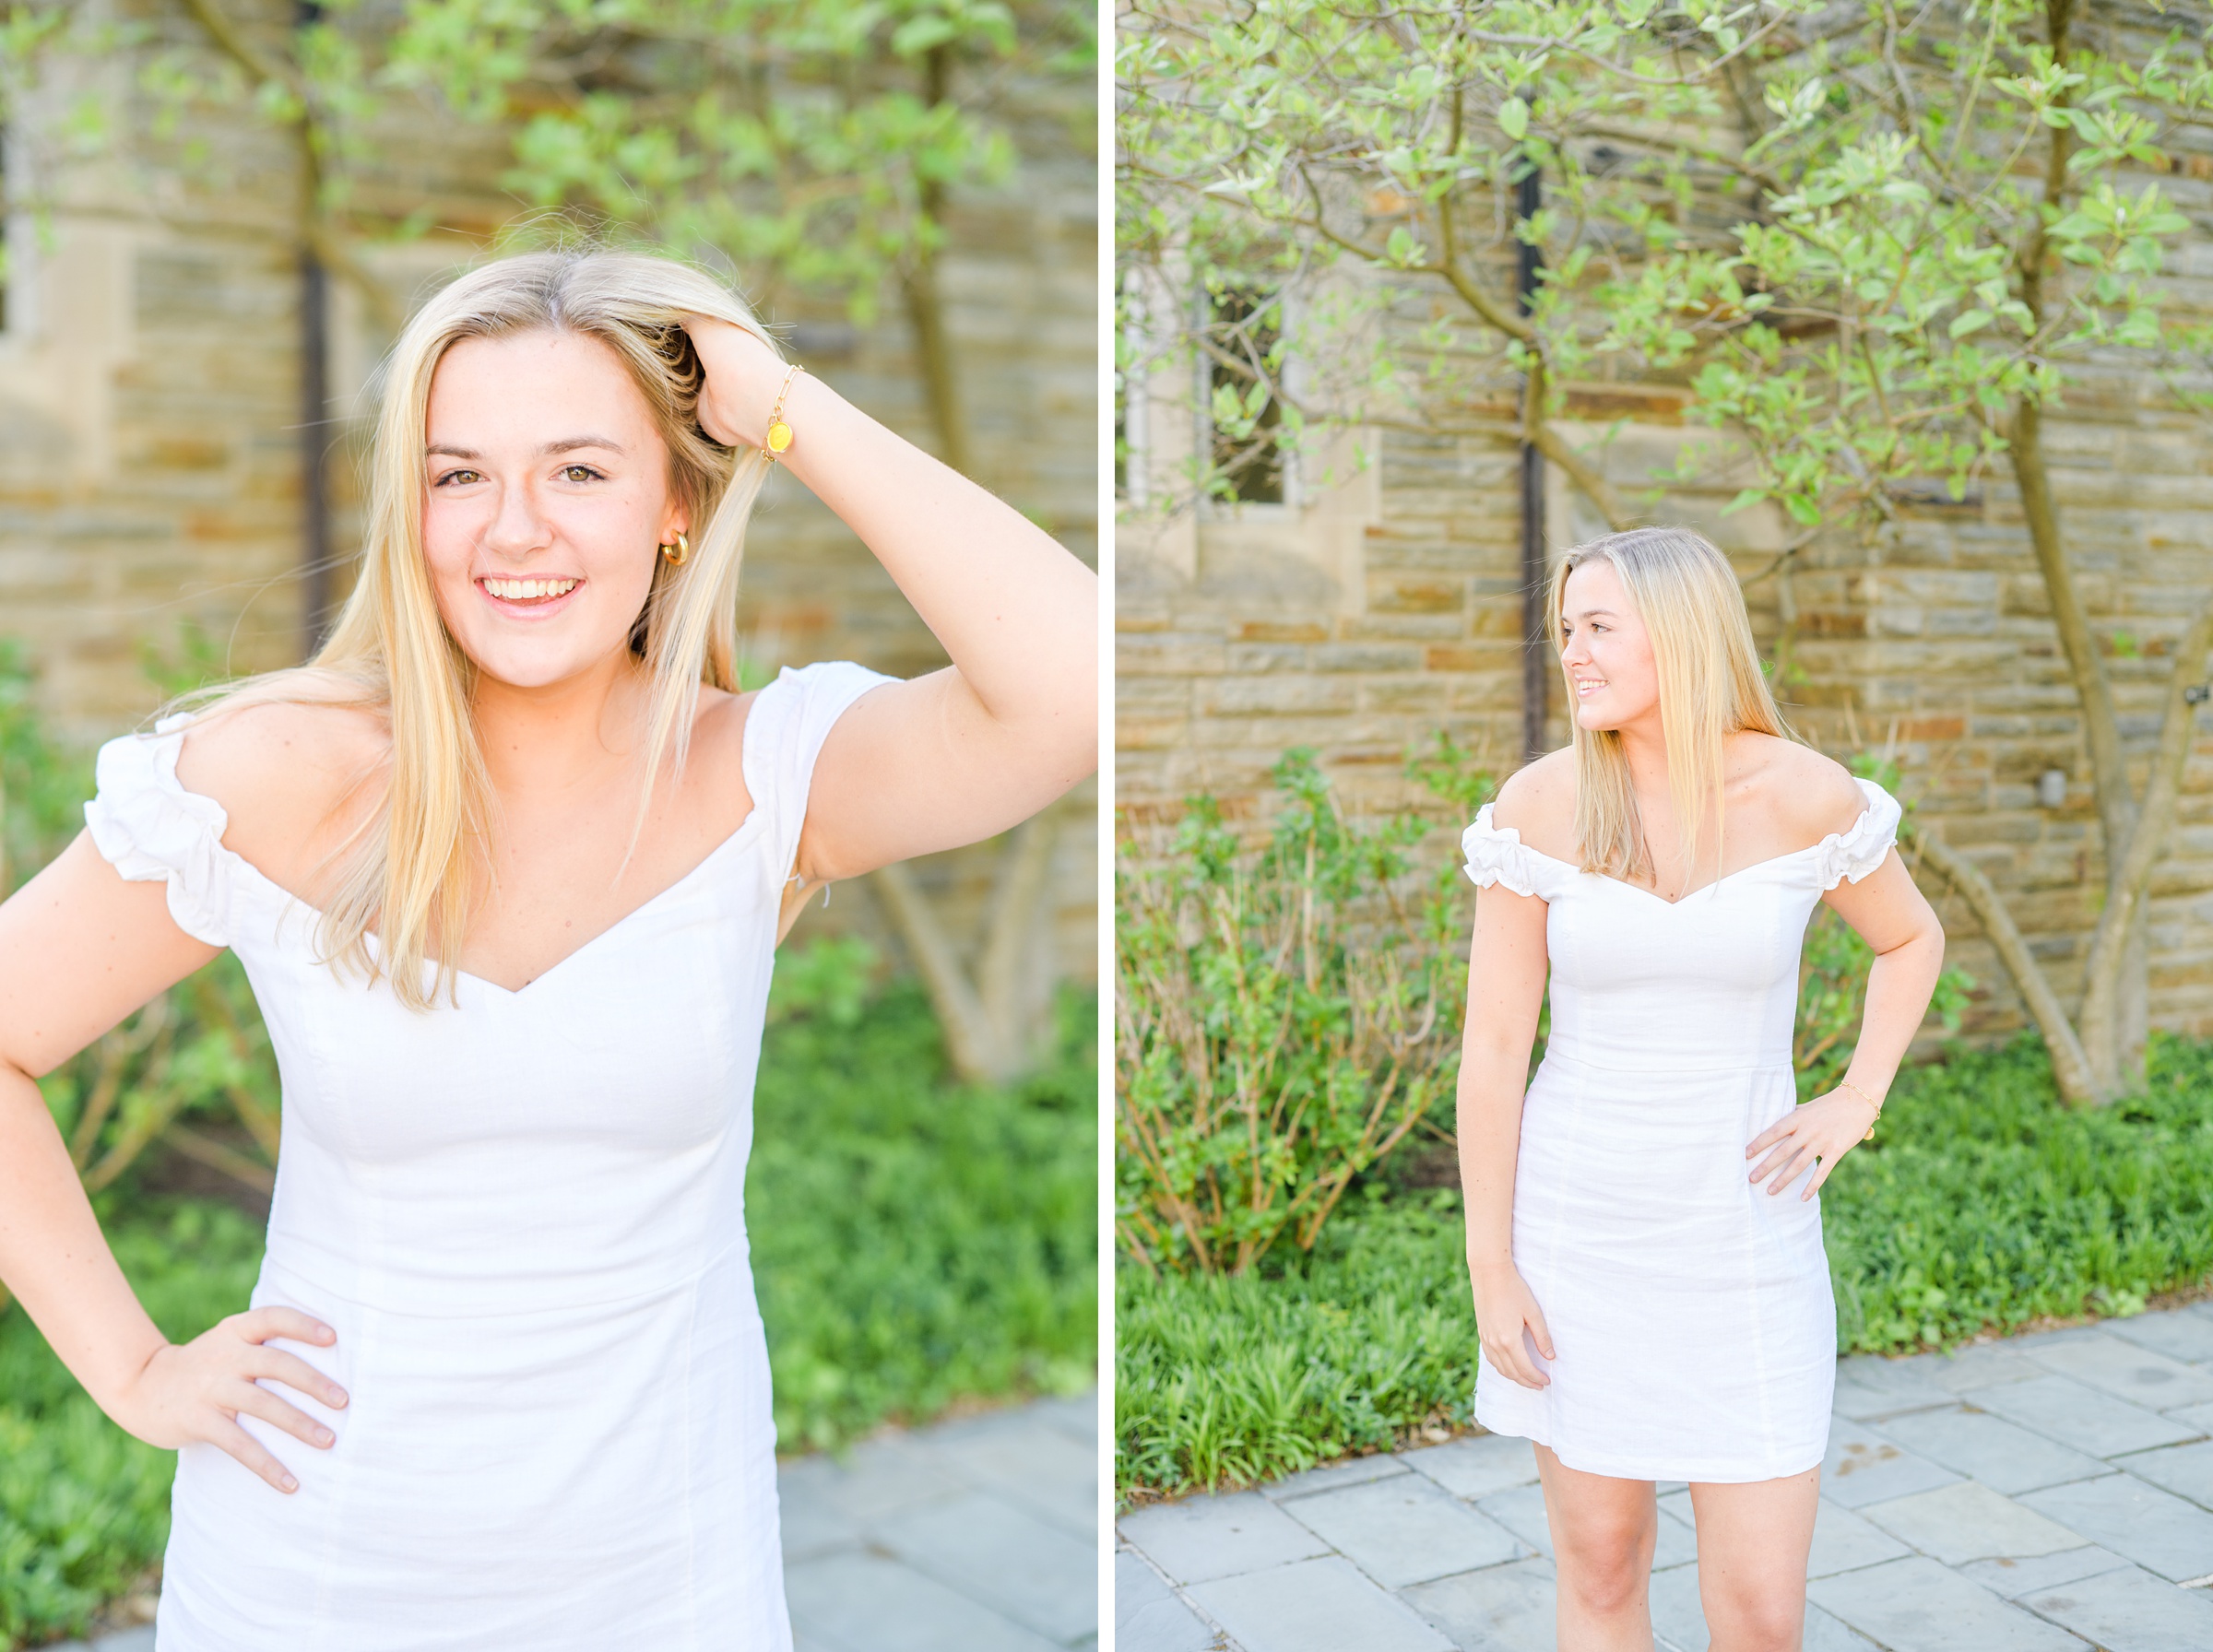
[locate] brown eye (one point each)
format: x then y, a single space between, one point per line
578 473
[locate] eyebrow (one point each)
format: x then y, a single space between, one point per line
566 444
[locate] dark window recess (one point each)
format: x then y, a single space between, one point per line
1245 329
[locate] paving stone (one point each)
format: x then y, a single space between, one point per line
1828 1634
139 1637
1404 1531
1477 1466
1315 1606
877 1478
1678 1504
1865 1466
2186 1470
2139 1374
1678 1618
1076 1415
1149 1617
1513 1607
1978 1365
1916 1605
1677 1543
2156 1530
2000 1454
1968 1521
2187 1337
1025 1459
864 1603
1844 1542
1005 1557
1870 1387
2014 1579
1381 1465
808 1521
2130 1610
1521 1512
2086 1417
1205 1538
2199 1417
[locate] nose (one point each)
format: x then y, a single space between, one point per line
517 527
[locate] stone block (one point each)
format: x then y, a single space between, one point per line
1870 1387
1968 1521
1864 1467
2130 1610
1915 1605
1149 1616
2186 1470
2086 1417
2159 1531
1477 1466
2013 1578
1521 1512
1512 1608
996 1553
1315 1606
1354 1471
2001 1455
868 1603
1404 1531
2185 1337
2126 1369
1029 1461
1844 1542
1206 1538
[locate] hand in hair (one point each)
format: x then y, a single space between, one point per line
743 375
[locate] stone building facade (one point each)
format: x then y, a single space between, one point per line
1384 603
150 412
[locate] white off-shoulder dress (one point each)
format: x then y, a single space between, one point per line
525 1218
1694 1329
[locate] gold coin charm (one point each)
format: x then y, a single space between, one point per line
779 437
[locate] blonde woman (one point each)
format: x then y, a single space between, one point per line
506 863
1644 1240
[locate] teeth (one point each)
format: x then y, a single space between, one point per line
515 590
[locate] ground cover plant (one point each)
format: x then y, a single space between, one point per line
1984 1203
916 1241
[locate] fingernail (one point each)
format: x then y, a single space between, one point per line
337 1396
324 1436
290 1484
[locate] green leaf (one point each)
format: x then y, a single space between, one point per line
1972 320
1513 118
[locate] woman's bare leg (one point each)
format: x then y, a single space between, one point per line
1603 1532
1753 1541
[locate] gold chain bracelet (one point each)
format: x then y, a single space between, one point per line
1848 1085
779 433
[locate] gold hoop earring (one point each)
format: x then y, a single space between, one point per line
677 554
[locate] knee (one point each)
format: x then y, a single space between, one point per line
1763 1621
1608 1570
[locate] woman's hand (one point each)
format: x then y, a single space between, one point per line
1814 1137
1505 1307
198 1390
743 376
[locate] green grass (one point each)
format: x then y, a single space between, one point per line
1983 1204
914 1239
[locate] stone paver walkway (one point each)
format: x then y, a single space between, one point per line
976 1535
2051 1492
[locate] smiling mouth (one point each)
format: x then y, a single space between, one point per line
1586 686
526 593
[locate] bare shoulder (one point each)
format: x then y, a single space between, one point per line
292 774
1808 793
1538 801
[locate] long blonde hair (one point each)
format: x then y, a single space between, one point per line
415 870
1710 686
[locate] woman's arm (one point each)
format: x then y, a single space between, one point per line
1894 918
1505 989
80 948
963 753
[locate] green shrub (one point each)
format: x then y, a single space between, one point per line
1984 1204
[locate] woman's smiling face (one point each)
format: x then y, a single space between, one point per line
1605 649
545 497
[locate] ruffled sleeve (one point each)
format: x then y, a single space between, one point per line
1857 851
784 734
1495 855
147 826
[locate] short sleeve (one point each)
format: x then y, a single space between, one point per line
147 825
1855 853
1495 855
784 734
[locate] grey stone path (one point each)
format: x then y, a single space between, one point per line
2043 1493
976 1535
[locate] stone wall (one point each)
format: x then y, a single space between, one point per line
150 470
1387 607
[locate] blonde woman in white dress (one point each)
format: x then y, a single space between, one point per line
506 863
1644 1238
